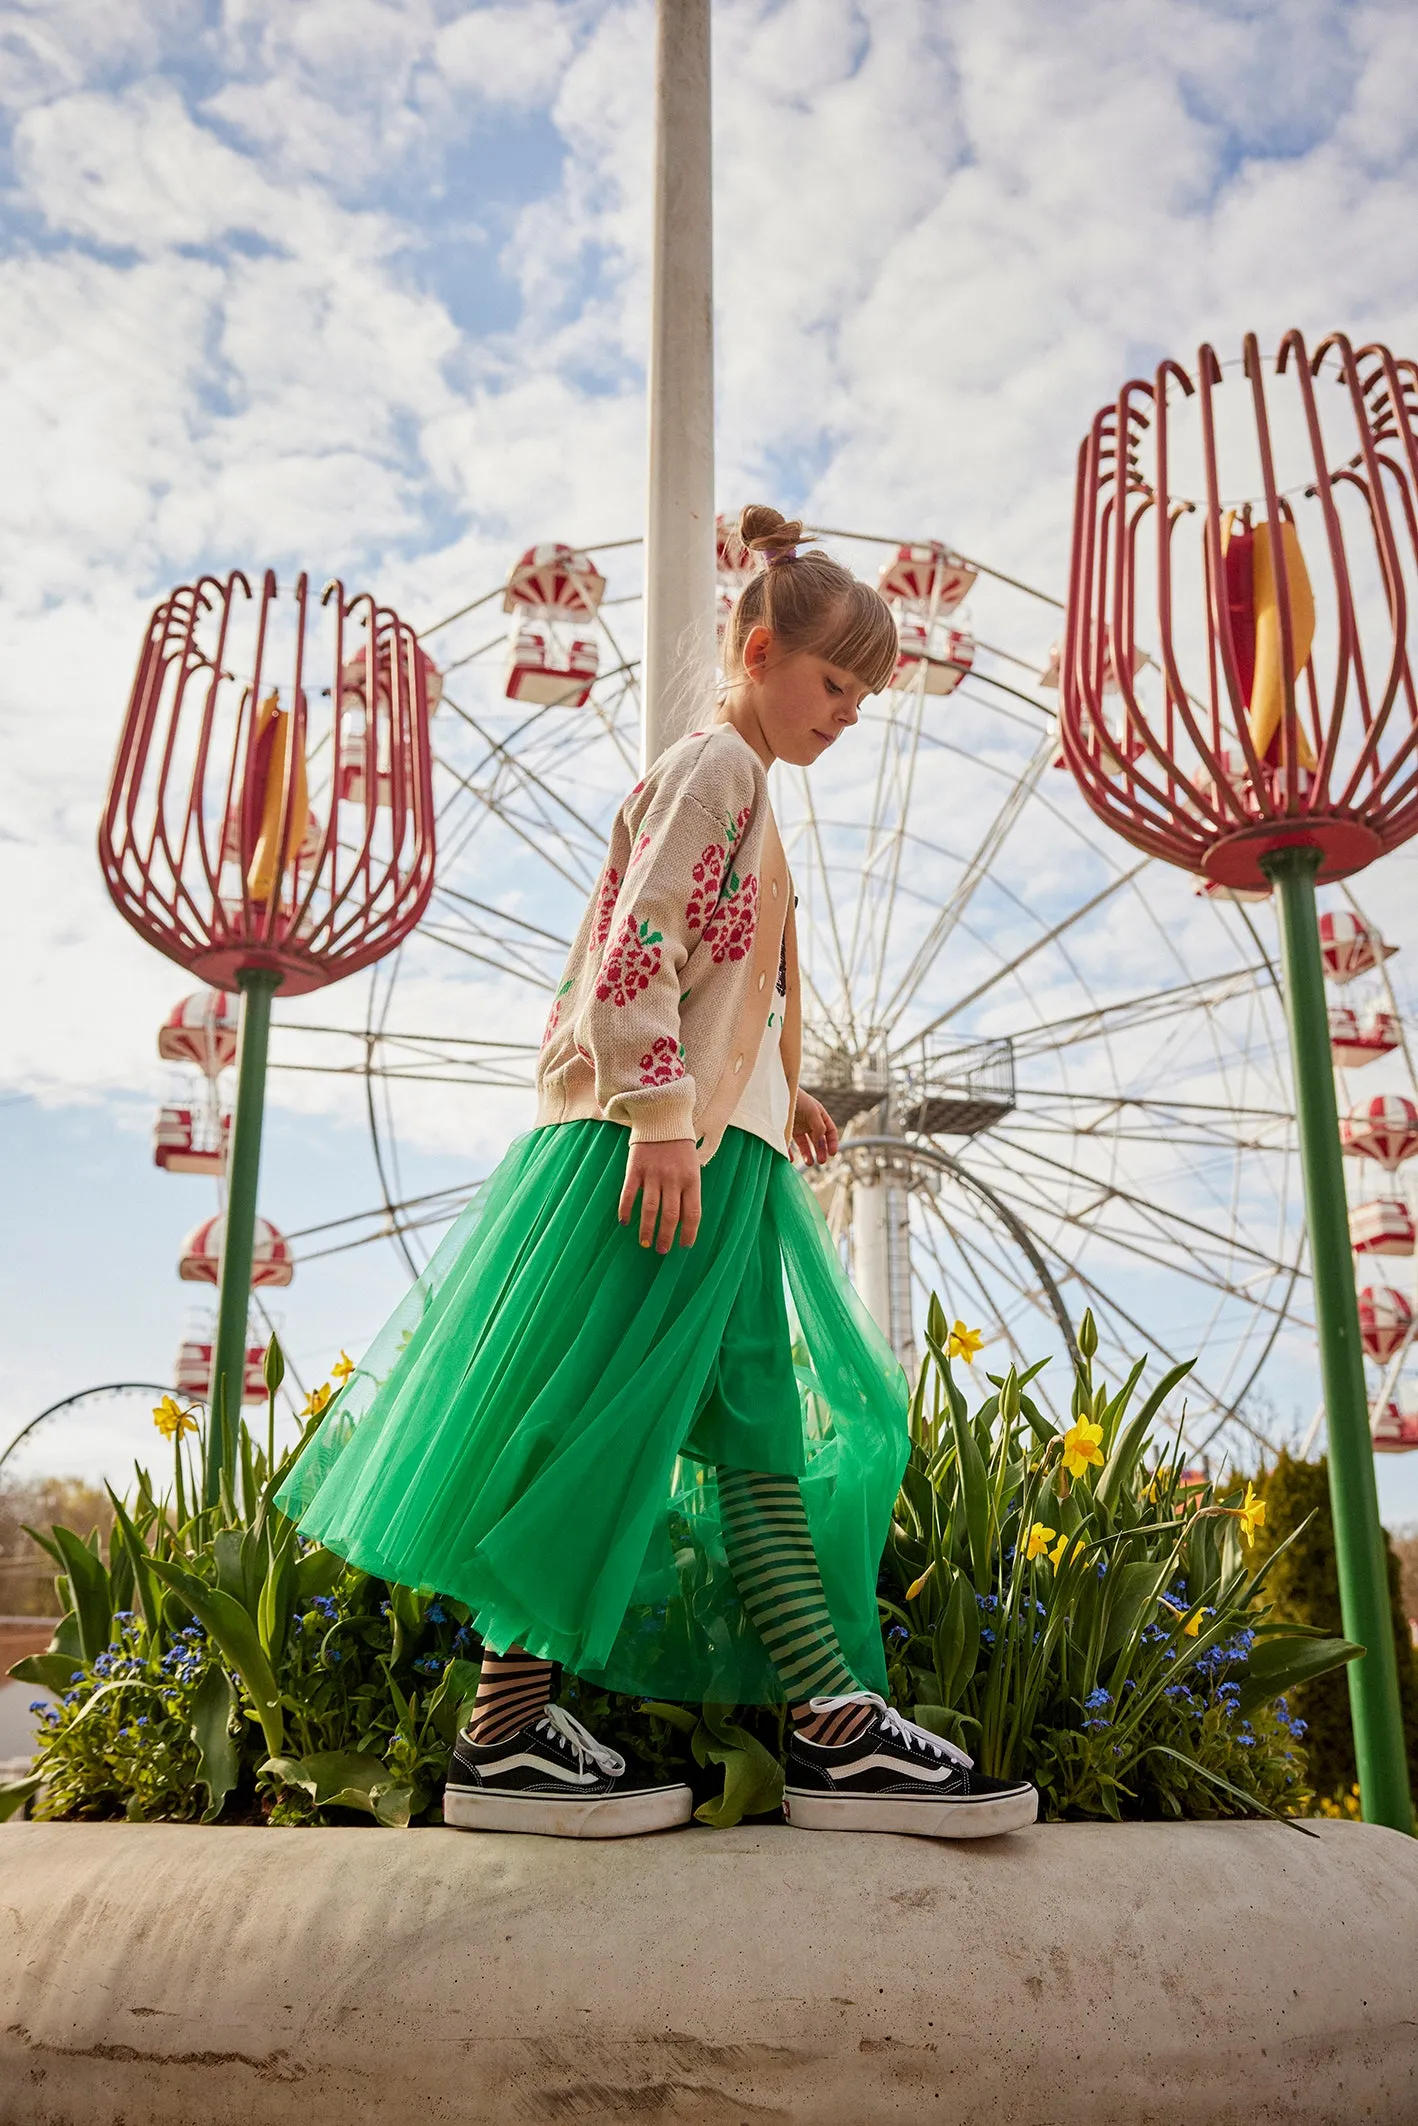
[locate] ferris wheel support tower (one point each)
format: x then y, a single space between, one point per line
679 545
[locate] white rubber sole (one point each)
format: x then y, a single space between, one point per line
548 1816
987 1818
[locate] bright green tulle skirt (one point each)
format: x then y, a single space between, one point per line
536 1429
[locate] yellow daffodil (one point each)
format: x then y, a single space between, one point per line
343 1367
1061 1549
172 1420
1038 1541
1251 1513
1082 1447
1193 1623
965 1343
316 1400
916 1585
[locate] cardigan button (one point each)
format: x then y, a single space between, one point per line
773 887
738 1065
762 981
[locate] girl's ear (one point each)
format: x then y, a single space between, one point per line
757 651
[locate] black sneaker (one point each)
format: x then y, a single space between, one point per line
896 1776
554 1777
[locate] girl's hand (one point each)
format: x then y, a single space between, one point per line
814 1131
666 1179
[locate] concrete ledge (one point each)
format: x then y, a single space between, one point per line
1230 1972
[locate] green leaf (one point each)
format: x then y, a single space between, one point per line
14 1796
975 1491
148 1592
273 1609
1132 1597
753 1779
226 1620
46 1543
1278 1662
50 1671
347 1779
315 1574
219 1765
456 1687
273 1366
89 1585
1123 1460
678 1716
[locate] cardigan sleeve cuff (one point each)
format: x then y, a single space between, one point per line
657 1115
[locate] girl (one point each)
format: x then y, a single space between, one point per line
594 1419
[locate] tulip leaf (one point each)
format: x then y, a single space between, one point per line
347 1779
89 1586
14 1796
456 1687
1279 1661
753 1779
50 1671
226 1621
219 1762
1127 1449
315 1574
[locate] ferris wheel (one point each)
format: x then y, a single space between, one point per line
1059 1071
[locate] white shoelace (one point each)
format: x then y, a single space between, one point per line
904 1730
583 1742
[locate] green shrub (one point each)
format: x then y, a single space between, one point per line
1304 1583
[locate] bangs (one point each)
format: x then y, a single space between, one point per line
860 636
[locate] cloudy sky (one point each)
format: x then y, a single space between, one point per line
361 288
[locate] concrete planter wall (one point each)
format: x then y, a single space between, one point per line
1202 1973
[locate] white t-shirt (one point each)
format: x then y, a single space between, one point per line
763 1104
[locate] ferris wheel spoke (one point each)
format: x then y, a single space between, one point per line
1030 1298
1062 1172
940 932
1050 937
814 831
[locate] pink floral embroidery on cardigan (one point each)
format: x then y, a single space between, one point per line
708 875
729 934
664 1063
605 907
631 963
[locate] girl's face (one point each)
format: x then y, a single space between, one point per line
792 705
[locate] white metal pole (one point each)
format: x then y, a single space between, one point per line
677 678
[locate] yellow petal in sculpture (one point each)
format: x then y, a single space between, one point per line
1267 706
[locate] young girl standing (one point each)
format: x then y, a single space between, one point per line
593 1419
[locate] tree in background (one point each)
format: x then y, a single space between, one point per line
1304 1586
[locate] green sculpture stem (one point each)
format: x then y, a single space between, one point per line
1354 1499
257 986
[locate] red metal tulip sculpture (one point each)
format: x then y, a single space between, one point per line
269 825
1236 697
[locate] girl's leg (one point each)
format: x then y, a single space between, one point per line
771 1556
512 1690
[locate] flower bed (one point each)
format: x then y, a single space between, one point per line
1063 1603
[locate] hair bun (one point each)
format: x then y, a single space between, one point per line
767 531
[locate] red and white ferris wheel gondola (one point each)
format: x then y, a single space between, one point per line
1384 1316
555 592
1357 1040
1385 1225
352 753
192 1374
1392 1430
200 1263
187 1140
1384 1129
201 1030
1350 945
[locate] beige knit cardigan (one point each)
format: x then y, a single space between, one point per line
667 991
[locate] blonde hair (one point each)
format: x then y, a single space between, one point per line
810 603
